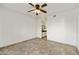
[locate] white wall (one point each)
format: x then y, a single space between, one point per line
15 27
77 28
38 26
62 28
71 18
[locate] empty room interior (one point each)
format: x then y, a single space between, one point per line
39 28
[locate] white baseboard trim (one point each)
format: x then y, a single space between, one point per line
2 46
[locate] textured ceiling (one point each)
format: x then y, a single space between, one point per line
22 8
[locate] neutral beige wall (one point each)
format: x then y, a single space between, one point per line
62 28
77 23
15 27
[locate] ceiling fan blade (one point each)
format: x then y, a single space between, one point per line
30 10
44 5
31 4
43 11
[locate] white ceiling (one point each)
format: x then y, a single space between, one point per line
22 8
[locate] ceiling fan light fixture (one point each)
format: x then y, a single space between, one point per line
37 11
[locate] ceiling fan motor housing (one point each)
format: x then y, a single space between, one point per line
37 6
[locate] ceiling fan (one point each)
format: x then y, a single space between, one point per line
38 8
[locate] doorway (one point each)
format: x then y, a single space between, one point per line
44 27
44 31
